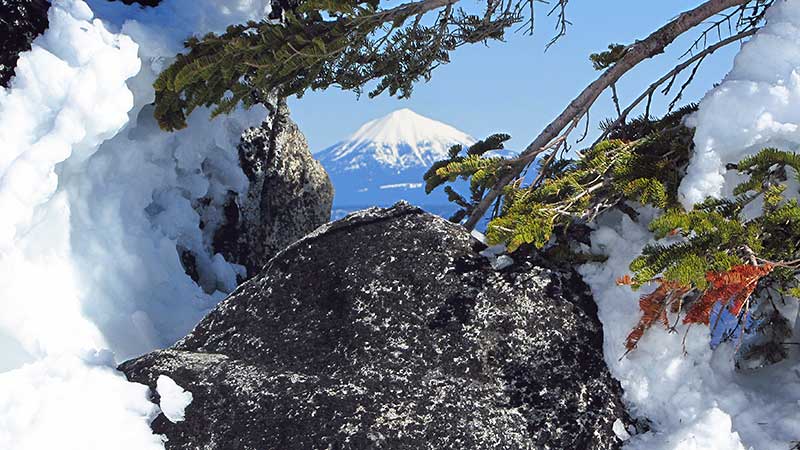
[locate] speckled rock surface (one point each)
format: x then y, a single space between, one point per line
387 330
290 194
21 21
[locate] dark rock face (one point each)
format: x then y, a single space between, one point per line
290 194
21 21
387 330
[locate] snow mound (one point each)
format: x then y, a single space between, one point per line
72 403
754 107
98 205
698 400
399 140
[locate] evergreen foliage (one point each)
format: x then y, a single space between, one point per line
725 253
720 233
639 162
314 44
470 163
606 59
735 253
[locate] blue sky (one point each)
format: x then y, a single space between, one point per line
515 86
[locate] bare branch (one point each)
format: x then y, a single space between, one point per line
671 75
636 53
561 21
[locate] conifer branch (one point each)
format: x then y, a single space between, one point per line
653 45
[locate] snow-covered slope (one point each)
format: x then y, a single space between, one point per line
399 141
384 161
96 202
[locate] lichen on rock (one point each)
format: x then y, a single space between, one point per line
21 21
388 329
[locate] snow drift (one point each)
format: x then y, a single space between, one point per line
754 107
698 400
96 204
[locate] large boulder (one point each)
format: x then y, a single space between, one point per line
289 195
387 329
21 21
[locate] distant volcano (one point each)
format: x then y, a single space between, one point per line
384 162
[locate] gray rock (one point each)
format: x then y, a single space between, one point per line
388 330
290 193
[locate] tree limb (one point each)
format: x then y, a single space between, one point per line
410 9
636 53
672 73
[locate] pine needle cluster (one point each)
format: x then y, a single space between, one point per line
742 254
639 162
474 163
315 44
761 223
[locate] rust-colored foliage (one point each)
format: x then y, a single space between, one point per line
667 296
731 289
624 280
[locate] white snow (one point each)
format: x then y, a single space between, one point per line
73 403
174 399
479 236
399 140
698 400
619 430
754 107
502 262
97 203
495 254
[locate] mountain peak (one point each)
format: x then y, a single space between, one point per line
406 126
398 140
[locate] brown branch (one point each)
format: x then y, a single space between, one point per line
671 75
634 54
409 9
561 22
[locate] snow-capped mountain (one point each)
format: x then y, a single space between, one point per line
384 161
399 141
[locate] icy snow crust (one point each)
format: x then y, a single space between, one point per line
699 401
96 203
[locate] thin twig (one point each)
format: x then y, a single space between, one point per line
634 54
